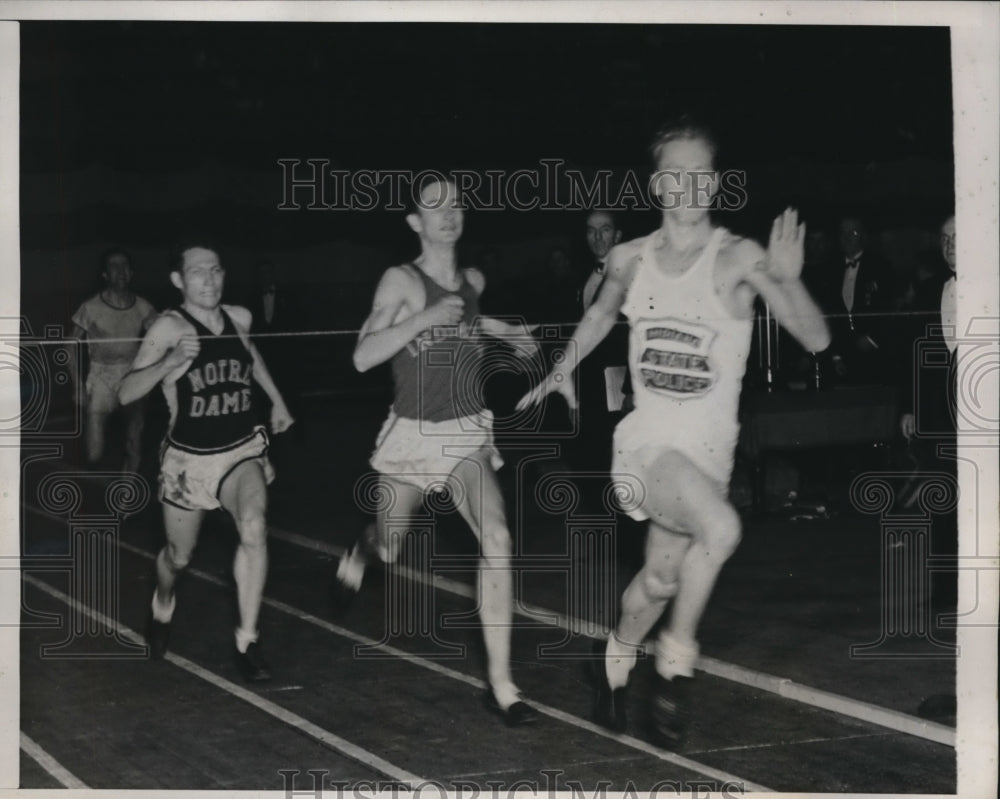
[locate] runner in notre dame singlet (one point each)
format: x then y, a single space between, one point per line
213 426
213 455
212 407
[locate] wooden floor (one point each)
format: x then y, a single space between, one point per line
391 691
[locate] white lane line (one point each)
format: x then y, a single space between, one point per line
788 689
823 740
475 682
55 769
293 720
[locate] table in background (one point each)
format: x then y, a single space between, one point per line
775 421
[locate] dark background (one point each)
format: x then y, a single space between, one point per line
133 133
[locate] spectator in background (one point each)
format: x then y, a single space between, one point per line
604 376
927 399
602 234
113 322
856 300
819 256
276 313
926 362
273 307
561 300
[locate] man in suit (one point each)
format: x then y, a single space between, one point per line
604 384
927 397
857 301
275 312
272 305
928 422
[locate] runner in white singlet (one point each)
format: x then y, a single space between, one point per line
688 290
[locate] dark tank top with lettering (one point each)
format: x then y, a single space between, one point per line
214 405
438 375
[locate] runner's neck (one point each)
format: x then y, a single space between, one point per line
118 299
210 318
682 237
439 264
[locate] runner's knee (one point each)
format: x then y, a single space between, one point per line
177 557
722 531
659 583
251 526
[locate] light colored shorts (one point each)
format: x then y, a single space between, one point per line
640 439
424 454
192 479
103 382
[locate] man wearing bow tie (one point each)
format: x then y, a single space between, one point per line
856 302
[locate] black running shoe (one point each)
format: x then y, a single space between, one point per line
609 703
669 711
157 637
519 714
252 665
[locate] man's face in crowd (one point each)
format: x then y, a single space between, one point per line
602 234
852 237
948 242
118 271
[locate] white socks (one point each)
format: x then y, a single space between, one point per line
620 659
163 613
675 657
244 639
506 694
351 569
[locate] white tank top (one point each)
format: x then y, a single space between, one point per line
687 354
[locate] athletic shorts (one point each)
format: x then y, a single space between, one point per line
191 479
639 440
103 382
424 454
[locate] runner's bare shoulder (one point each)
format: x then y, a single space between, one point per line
738 257
623 259
744 253
168 327
476 279
242 317
400 281
400 293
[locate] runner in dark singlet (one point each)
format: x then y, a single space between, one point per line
425 320
214 455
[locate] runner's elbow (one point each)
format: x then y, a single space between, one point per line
126 394
819 340
361 361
